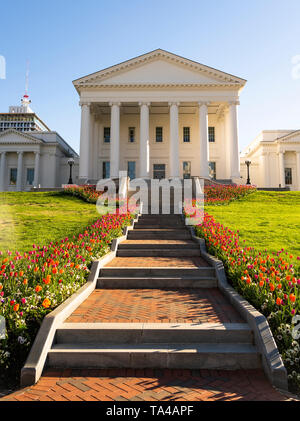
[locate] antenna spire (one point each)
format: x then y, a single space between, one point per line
25 101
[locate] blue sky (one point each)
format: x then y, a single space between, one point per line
67 39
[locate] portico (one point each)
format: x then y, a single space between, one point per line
159 109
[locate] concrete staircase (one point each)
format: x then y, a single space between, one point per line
227 346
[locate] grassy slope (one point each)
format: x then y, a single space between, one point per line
266 220
28 218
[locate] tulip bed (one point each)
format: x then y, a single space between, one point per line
214 194
269 281
86 193
32 284
224 194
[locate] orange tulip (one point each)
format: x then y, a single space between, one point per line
46 303
292 298
38 288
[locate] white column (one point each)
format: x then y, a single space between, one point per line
84 141
298 169
36 169
96 149
144 140
174 171
233 140
19 171
281 169
265 169
3 172
115 140
203 139
91 146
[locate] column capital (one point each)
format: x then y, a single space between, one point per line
177 103
20 152
141 103
82 103
112 103
37 153
236 102
201 103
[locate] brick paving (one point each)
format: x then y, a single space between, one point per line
155 262
156 306
149 385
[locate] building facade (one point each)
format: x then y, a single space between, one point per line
159 116
30 154
275 159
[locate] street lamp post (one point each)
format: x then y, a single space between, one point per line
71 163
248 163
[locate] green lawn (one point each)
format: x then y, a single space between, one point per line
266 220
28 218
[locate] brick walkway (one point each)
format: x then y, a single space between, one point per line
155 306
149 385
179 262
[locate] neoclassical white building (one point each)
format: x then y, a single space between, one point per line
159 115
34 159
275 159
32 156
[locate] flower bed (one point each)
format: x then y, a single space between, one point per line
36 282
87 193
222 194
269 281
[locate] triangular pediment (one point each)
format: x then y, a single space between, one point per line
291 137
14 137
159 67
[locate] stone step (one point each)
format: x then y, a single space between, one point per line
159 216
163 234
156 283
168 272
158 246
155 226
143 333
158 253
181 356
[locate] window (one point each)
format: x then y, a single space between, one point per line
186 169
159 134
159 171
186 134
106 134
288 176
211 134
30 176
131 134
13 176
106 169
212 170
131 169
